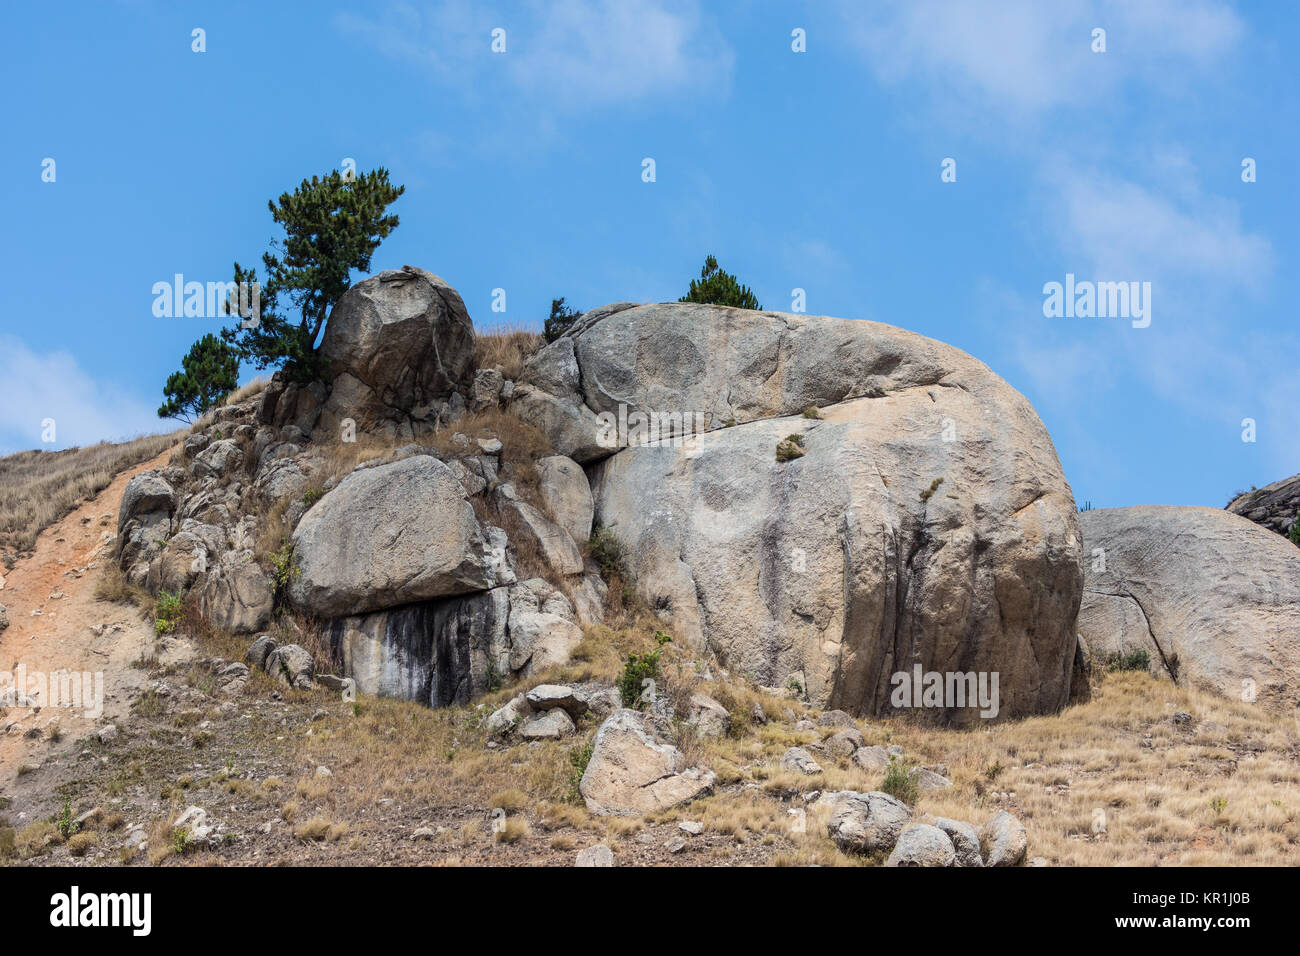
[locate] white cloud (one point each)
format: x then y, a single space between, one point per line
53 386
1026 56
561 56
1126 231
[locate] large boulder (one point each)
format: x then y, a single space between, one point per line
400 344
927 521
922 845
632 773
395 534
1212 597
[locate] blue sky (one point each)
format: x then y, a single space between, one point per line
817 170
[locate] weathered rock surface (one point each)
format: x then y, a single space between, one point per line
292 665
400 345
631 773
566 494
867 822
965 841
798 760
236 595
1003 840
927 522
1212 597
387 536
922 845
1274 506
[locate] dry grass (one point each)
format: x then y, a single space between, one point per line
38 488
507 346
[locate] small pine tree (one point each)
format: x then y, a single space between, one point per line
209 372
1294 533
332 226
561 318
715 287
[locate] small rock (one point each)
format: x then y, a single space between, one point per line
965 841
800 761
550 696
599 855
550 725
323 771
845 743
873 758
675 845
928 780
693 827
260 650
423 833
836 718
108 733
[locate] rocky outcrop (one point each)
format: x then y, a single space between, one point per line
388 536
922 845
400 347
927 522
631 773
236 595
143 524
1213 598
1274 506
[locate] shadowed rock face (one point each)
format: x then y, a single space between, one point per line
1208 594
927 522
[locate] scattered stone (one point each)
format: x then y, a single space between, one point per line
108 733
1004 840
550 696
800 761
631 773
874 758
709 717
599 855
965 841
927 780
504 719
922 845
867 822
845 743
675 845
836 718
291 665
550 725
693 827
260 650
423 833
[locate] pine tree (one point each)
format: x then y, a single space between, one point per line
209 372
715 287
561 318
332 226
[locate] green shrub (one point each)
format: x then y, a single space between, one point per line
1135 660
1294 532
639 667
166 612
579 757
608 552
284 568
790 447
898 782
812 411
